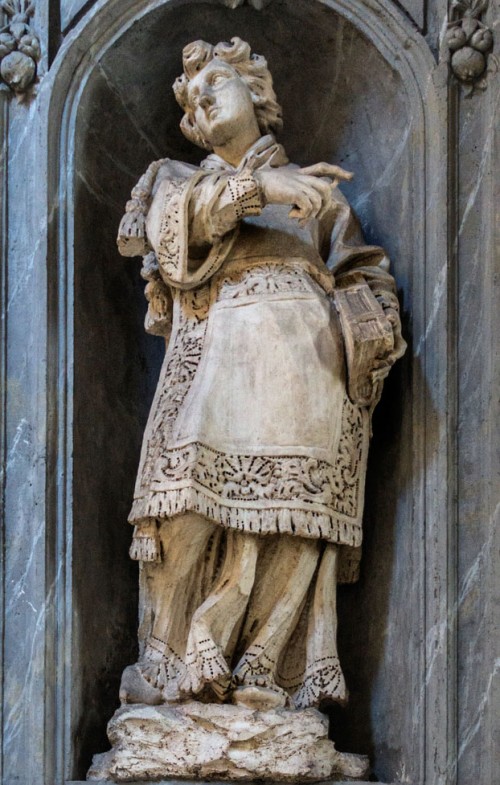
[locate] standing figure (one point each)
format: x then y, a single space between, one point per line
283 323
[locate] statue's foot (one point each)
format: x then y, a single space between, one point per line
147 682
261 693
134 688
258 698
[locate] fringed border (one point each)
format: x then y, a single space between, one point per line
329 526
146 544
317 687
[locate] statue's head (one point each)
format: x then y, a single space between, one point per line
223 86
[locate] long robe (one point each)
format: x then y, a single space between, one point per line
251 430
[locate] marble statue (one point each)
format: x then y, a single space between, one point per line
281 326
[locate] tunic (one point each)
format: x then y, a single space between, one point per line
251 425
251 432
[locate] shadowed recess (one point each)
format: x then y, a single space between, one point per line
342 103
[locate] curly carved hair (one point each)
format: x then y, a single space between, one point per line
252 68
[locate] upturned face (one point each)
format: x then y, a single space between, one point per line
221 103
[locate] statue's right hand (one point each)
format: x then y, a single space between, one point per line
309 195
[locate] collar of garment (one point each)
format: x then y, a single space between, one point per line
265 151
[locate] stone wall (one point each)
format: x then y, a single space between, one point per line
364 84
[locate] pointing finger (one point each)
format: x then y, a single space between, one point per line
327 170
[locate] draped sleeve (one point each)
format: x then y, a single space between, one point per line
193 222
348 253
350 259
367 303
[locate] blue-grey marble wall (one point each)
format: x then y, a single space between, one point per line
361 86
478 535
350 109
70 9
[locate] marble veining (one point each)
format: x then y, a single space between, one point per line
114 89
401 683
69 9
468 734
435 305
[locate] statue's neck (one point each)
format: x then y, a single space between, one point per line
235 149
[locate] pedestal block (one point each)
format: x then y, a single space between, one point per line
224 742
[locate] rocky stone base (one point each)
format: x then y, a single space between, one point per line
224 742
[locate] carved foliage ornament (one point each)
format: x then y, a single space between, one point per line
470 41
19 47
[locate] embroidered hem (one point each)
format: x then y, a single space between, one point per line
330 526
323 682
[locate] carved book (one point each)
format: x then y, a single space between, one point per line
368 339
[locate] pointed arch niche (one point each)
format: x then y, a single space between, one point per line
359 87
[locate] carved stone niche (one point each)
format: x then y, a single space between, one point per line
354 81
